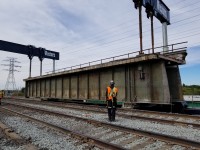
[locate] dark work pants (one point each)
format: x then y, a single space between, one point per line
112 105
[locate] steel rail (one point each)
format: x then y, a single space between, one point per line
16 138
139 117
173 122
161 113
142 111
85 138
159 136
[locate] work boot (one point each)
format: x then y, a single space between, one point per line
113 118
109 114
110 118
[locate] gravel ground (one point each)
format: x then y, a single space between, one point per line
7 144
178 131
85 128
162 117
138 141
126 137
44 138
154 146
108 136
179 118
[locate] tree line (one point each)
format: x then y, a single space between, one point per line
191 89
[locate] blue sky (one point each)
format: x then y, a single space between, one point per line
190 75
191 71
87 30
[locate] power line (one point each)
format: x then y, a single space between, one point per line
127 37
106 44
190 4
106 30
10 86
170 39
76 50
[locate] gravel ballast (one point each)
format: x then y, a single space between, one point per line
178 131
7 144
42 137
82 127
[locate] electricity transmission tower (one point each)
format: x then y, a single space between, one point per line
10 86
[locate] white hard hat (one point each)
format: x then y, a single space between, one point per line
112 82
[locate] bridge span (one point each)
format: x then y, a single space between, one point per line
140 78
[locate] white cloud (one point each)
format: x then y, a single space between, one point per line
87 30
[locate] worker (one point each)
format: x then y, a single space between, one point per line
111 98
1 95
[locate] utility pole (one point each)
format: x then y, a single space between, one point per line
138 4
10 86
158 9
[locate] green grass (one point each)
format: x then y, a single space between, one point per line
191 89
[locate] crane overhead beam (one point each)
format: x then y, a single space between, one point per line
29 50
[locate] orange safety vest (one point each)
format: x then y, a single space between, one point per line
111 93
1 94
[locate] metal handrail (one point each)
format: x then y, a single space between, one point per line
128 56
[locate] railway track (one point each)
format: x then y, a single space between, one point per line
166 118
123 137
94 143
11 140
